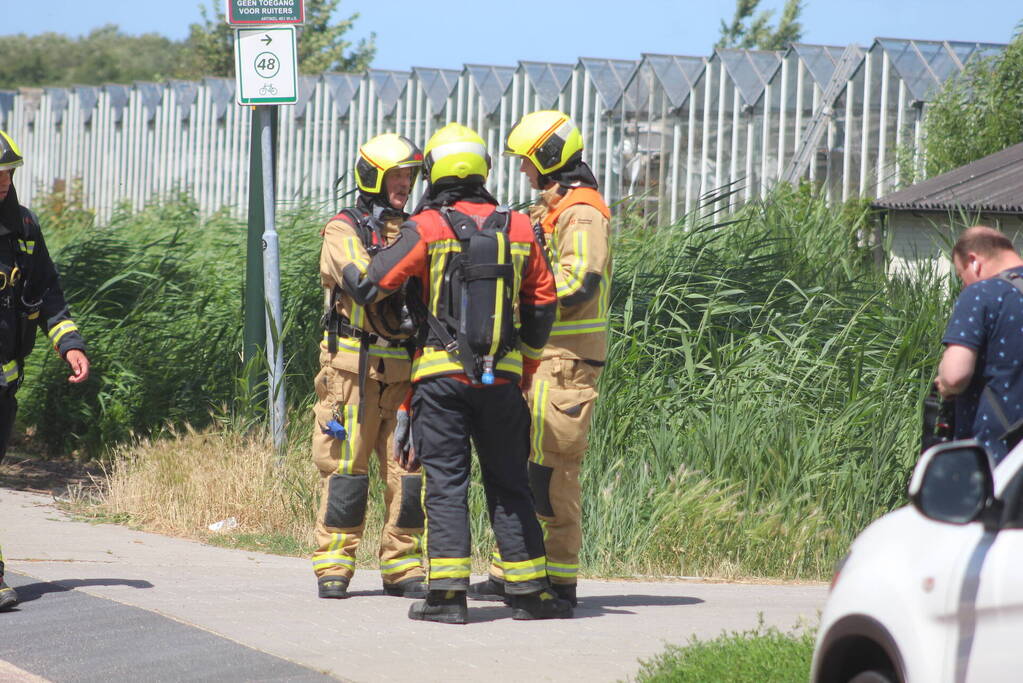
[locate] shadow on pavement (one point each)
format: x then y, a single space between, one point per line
33 591
589 607
634 600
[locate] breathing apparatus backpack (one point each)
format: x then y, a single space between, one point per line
476 306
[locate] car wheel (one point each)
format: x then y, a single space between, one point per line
874 677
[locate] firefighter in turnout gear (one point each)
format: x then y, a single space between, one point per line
573 221
488 299
363 382
30 299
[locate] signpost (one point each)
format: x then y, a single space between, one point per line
261 12
266 73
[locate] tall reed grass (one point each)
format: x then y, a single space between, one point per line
758 409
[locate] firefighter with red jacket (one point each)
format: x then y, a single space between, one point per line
488 299
365 363
30 299
574 220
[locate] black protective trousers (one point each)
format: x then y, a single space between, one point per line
445 414
8 409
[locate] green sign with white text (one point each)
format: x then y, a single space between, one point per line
258 12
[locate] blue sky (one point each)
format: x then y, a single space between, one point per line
449 33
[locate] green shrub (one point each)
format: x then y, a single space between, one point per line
762 655
978 112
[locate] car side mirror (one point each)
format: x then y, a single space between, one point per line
953 482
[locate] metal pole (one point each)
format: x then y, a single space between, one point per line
255 311
272 287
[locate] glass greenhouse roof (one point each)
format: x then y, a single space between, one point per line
820 61
58 102
389 85
548 80
750 70
676 74
342 88
609 76
491 83
925 64
438 84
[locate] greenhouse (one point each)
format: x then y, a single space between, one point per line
671 134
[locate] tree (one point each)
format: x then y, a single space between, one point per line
105 55
747 31
321 43
977 113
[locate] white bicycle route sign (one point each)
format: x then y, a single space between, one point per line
265 65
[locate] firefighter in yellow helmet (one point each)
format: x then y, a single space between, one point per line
30 299
572 219
364 380
488 299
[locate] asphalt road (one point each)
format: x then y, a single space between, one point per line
103 602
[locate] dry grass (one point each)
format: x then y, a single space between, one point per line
180 484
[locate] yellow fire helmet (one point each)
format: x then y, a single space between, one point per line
547 138
10 155
382 153
455 151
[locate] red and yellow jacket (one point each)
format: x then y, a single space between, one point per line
422 250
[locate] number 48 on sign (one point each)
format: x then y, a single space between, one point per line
265 65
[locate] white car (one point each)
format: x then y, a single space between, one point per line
934 591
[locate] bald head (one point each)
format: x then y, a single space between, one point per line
982 252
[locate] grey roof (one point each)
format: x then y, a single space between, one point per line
993 184
306 88
491 83
750 70
117 95
438 85
388 86
58 102
609 76
548 80
185 94
222 92
676 75
151 95
820 60
342 88
6 102
925 64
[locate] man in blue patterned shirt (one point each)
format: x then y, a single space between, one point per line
982 366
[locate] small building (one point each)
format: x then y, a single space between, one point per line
922 219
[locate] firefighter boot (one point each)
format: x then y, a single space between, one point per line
409 588
335 587
543 604
566 591
8 598
446 607
491 589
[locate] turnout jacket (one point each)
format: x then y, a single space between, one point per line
422 250
343 250
30 294
577 227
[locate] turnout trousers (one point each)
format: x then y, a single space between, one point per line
344 467
561 404
446 413
8 409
